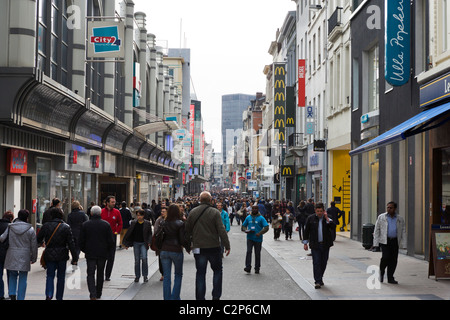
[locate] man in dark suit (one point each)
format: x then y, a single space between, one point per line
320 238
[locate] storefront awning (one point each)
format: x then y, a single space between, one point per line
422 122
159 126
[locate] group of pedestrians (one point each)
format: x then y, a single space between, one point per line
195 225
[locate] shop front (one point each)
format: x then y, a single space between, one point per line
314 178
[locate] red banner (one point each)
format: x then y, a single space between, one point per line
301 83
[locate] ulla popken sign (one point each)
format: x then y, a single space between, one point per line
398 41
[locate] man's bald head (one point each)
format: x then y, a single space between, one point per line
205 197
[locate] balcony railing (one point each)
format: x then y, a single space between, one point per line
335 20
296 140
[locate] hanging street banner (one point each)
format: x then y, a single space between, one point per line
302 83
279 88
290 107
106 39
398 41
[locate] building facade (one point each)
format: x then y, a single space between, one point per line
79 129
389 161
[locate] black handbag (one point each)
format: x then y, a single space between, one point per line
159 237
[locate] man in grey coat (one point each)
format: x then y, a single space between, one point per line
22 252
205 225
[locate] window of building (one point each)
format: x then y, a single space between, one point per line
355 84
445 195
444 26
95 70
373 79
356 4
53 41
43 181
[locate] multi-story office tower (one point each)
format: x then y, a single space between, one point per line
232 107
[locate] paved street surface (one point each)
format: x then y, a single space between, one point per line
286 274
273 282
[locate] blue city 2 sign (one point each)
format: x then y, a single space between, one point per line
397 41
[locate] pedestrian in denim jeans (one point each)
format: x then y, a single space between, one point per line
172 252
139 236
206 228
22 252
58 239
8 217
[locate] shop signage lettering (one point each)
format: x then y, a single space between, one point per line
280 101
314 160
398 41
435 90
106 39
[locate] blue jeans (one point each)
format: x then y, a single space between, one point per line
167 258
214 256
140 254
320 259
17 288
248 257
57 268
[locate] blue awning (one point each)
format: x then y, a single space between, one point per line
417 124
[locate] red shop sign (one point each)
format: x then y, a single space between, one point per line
17 161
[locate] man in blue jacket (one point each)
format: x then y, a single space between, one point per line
255 225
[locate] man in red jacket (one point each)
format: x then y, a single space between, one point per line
111 215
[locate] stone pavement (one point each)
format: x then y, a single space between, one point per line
286 270
349 274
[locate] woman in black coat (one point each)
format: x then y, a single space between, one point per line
75 220
58 238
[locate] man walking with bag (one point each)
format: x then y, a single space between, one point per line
204 225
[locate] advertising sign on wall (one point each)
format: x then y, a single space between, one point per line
398 42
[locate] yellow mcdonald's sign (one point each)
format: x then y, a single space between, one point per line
290 121
280 134
287 171
279 96
279 84
279 110
279 123
280 70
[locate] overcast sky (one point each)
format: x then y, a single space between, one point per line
229 42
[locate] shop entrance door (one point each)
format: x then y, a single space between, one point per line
119 190
26 197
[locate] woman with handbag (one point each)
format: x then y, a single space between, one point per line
158 221
172 251
58 239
